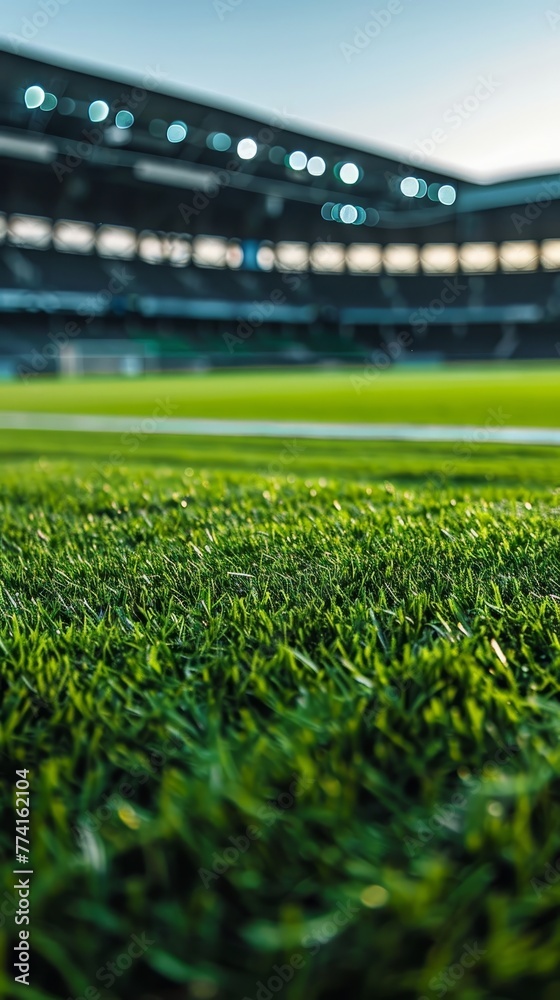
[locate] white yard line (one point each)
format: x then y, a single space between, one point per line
278 429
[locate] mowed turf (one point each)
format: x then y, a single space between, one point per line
516 394
292 718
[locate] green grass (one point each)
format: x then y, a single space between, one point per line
526 394
331 647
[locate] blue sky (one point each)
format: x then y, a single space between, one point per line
470 85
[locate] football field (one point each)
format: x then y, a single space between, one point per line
289 706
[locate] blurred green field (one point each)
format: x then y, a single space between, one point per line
351 648
526 393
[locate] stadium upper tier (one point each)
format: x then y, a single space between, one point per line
206 213
136 154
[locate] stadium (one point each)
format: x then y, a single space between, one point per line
279 561
246 242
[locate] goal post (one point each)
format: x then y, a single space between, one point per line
108 357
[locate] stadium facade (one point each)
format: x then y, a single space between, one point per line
140 228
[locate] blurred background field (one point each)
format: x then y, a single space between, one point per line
523 394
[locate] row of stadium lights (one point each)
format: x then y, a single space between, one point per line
212 251
416 187
349 173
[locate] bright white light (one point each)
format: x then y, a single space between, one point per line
439 258
349 173
265 257
116 241
292 256
234 254
328 257
401 258
73 237
30 231
124 119
34 97
49 103
298 160
364 258
447 194
151 248
477 258
209 251
98 111
550 255
247 149
316 166
410 186
348 214
519 255
176 132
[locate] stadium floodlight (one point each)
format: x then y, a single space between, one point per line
179 250
328 258
297 160
265 257
219 141
447 194
124 119
349 173
410 186
177 132
519 255
364 258
439 258
401 258
234 254
209 251
550 255
348 214
151 248
73 237
478 258
98 111
29 231
116 241
316 166
34 97
292 256
246 149
49 102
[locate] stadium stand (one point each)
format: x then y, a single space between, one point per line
199 235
